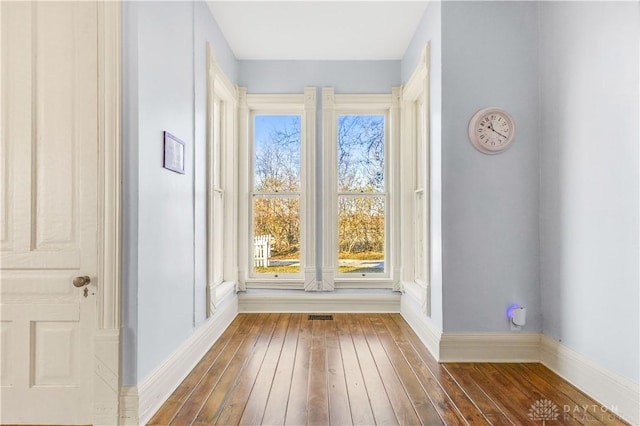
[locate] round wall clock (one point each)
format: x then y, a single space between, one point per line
491 130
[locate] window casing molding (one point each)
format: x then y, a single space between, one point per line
303 105
342 104
222 156
407 255
415 186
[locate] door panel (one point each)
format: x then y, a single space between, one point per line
6 364
48 229
59 338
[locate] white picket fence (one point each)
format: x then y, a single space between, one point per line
262 250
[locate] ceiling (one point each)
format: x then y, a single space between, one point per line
318 30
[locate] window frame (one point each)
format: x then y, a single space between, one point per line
335 105
416 183
302 105
221 187
353 194
282 277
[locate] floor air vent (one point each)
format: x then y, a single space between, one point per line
321 317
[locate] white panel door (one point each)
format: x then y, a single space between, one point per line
48 210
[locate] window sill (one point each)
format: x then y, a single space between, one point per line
275 283
359 282
364 300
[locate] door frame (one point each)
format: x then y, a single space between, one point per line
106 374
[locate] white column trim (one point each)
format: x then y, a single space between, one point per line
211 77
106 376
329 184
308 201
243 188
394 168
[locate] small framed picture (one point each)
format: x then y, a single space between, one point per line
173 153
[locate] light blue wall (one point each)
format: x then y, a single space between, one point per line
430 30
206 29
489 202
344 76
165 199
129 193
589 179
164 88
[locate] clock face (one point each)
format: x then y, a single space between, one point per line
491 130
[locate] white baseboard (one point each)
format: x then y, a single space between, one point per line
617 393
165 379
421 325
128 406
377 301
490 347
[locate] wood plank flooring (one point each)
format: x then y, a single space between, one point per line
284 369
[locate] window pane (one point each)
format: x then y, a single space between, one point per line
217 152
276 153
419 237
276 231
360 234
218 237
361 153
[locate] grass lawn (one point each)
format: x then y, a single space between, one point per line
343 269
290 269
293 269
368 255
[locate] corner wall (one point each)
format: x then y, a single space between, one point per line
489 202
589 180
553 222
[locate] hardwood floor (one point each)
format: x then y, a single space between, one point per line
277 369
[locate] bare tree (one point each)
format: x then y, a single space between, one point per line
277 170
361 156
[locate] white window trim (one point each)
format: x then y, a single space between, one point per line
332 105
415 90
304 105
219 87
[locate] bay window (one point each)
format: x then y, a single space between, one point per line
358 205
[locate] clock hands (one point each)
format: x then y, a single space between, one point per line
490 126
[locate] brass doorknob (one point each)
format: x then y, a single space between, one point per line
81 281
